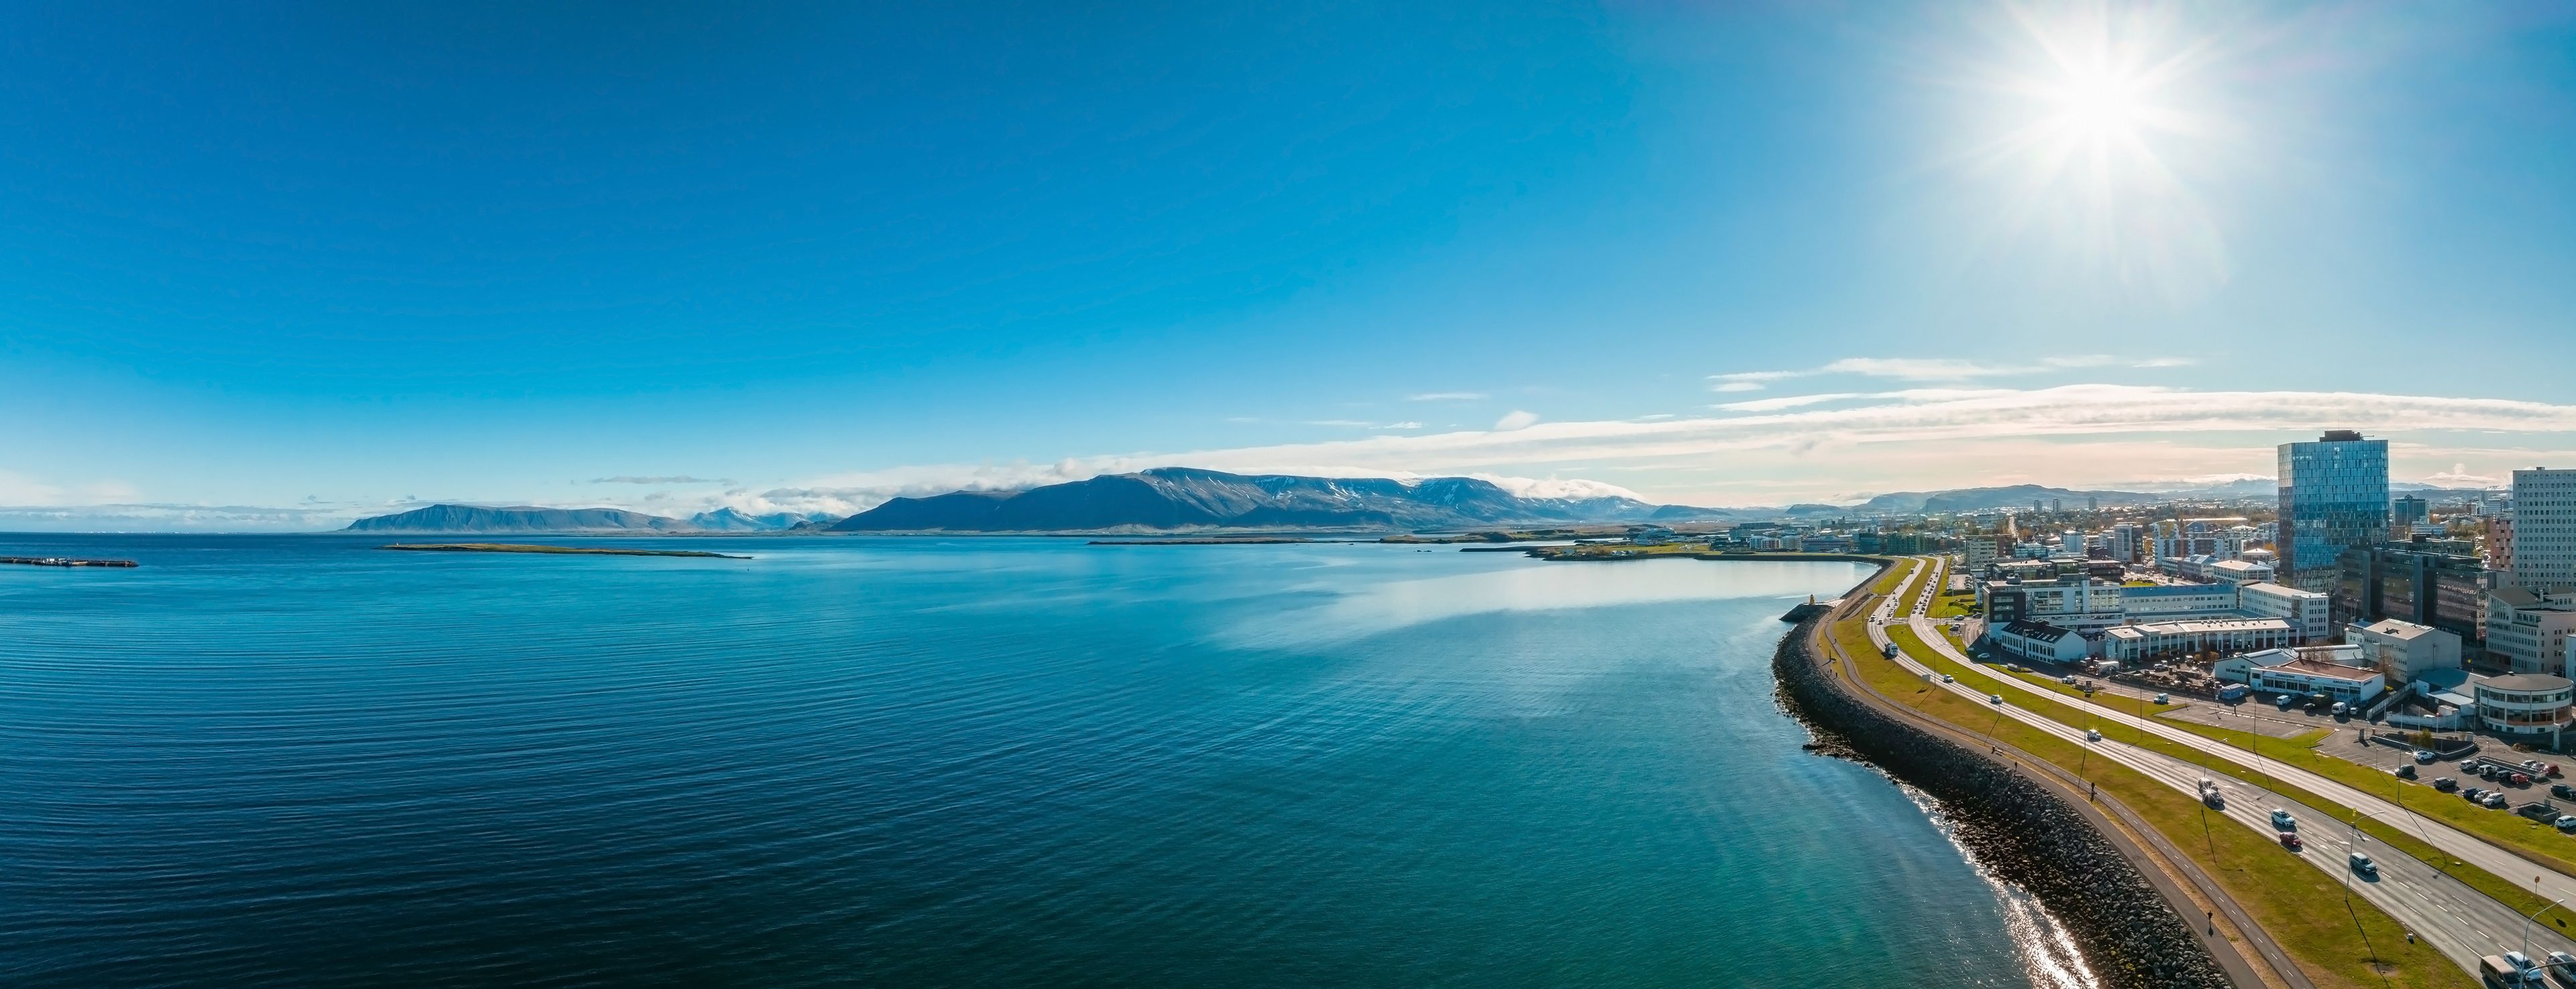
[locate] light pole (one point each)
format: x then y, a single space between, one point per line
2526 925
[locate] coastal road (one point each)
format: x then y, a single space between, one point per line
2547 882
2450 915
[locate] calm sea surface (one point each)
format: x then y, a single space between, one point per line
287 761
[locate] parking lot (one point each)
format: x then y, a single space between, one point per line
2259 718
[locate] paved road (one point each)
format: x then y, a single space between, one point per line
2450 915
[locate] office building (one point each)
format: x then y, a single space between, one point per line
2405 650
2334 496
2532 706
2408 511
2544 529
2412 581
2308 613
2527 630
2135 644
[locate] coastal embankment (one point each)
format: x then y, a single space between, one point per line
2126 923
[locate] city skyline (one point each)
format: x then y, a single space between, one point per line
284 271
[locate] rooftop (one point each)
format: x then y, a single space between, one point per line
2210 625
2527 683
2327 671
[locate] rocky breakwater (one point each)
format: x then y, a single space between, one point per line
2023 831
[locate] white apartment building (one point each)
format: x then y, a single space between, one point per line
2544 529
2405 650
2529 629
2305 611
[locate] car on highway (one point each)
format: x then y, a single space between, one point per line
2423 755
2445 784
2562 965
1994 698
1946 678
2362 864
2290 840
2092 734
2282 821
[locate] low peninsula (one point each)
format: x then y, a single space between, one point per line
574 550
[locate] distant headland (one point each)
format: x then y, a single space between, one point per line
574 550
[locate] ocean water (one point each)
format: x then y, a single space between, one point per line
301 761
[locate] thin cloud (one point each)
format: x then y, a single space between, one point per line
1787 402
668 479
1516 419
1731 386
1448 396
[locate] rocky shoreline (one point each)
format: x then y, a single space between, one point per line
2129 934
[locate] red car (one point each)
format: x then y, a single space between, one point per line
2520 779
2290 840
2553 771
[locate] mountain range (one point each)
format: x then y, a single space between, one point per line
1181 498
531 519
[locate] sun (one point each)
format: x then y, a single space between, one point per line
2100 127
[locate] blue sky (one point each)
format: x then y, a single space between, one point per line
275 268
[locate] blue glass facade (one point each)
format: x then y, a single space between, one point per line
2334 496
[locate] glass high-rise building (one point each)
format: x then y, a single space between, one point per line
2334 496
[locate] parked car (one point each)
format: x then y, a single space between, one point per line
2473 794
2562 791
2284 701
2522 779
2339 708
2445 784
2565 822
2282 821
2068 679
2494 801
2424 755
2164 698
2405 772
2362 864
2291 841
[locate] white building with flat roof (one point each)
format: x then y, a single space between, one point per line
2525 706
2405 650
2349 684
2308 612
2132 644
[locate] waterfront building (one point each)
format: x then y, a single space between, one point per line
2039 642
2239 668
2525 706
2405 650
2133 644
2065 602
2334 496
2528 630
2544 529
2308 613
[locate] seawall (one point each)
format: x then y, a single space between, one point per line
2025 832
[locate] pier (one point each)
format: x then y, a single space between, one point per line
63 561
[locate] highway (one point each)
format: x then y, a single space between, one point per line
2460 845
2450 915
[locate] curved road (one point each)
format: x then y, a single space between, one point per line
2454 917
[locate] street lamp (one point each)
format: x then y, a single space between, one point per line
2526 925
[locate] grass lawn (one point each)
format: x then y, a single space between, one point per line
2300 906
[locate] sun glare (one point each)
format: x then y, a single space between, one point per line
2095 121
